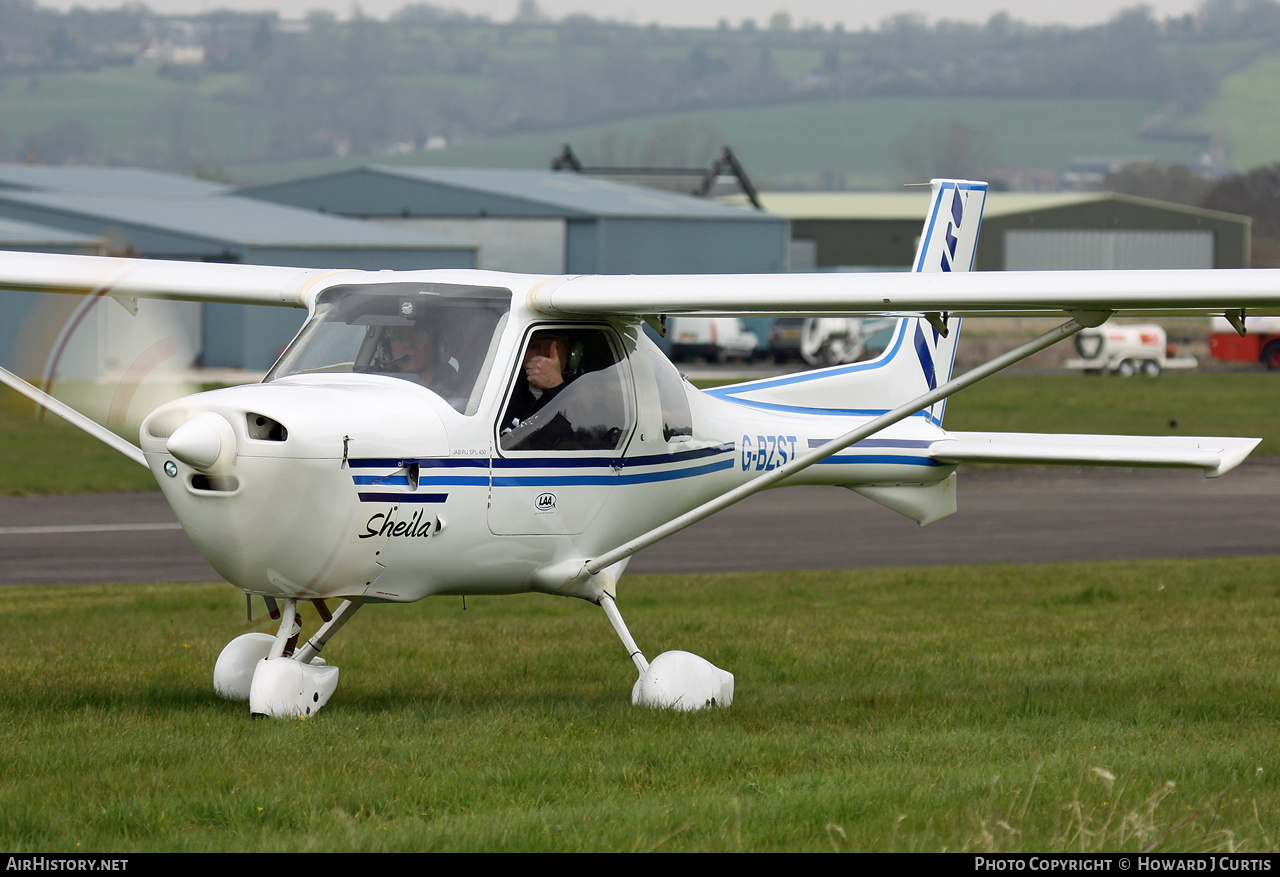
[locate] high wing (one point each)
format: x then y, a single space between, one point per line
940 288
958 294
158 279
980 294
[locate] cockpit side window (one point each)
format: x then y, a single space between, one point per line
677 419
571 392
441 336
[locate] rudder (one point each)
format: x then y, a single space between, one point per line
918 357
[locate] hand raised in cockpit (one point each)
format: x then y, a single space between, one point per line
544 362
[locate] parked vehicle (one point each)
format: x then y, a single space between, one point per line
839 340
1261 343
784 338
714 339
1127 351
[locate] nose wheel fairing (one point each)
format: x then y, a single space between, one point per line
281 687
276 676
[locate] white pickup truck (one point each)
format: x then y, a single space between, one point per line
1127 350
714 339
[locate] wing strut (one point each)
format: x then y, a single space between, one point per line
1079 320
74 417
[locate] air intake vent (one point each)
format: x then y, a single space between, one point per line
215 483
264 429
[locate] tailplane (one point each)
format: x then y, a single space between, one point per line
921 350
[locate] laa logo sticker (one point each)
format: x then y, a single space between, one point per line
546 502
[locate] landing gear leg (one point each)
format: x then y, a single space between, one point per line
308 653
285 687
277 678
675 680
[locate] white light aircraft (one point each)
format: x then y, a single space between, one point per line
361 471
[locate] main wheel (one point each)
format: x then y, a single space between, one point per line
1150 368
1127 368
1271 356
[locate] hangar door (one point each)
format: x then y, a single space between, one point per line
1083 249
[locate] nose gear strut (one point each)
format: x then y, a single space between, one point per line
276 676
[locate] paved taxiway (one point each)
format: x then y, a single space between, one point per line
1014 515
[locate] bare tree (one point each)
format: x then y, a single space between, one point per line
1163 182
1254 193
946 149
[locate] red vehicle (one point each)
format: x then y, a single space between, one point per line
1261 343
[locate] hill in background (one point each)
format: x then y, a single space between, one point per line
253 97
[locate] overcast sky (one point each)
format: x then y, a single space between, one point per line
853 15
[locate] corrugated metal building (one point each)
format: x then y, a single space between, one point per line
28 237
15 310
154 215
1020 231
551 222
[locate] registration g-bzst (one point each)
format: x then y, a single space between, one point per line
767 452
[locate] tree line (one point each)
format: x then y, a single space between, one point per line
429 71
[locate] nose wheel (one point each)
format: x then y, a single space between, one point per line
276 677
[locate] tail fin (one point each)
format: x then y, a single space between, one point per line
919 357
950 237
949 243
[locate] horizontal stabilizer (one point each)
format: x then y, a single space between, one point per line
1214 455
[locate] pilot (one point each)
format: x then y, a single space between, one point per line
415 350
545 374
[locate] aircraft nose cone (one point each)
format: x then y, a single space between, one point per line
202 441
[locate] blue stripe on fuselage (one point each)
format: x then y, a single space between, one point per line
841 459
404 497
616 474
879 443
621 477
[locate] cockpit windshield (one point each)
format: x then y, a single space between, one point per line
442 336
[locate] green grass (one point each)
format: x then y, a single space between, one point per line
1076 707
855 138
1244 114
136 116
1221 404
49 456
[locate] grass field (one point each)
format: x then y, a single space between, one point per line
133 115
1201 403
855 139
1243 114
49 456
1080 707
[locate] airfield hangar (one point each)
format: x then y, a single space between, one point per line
534 221
132 212
371 218
551 222
1021 231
